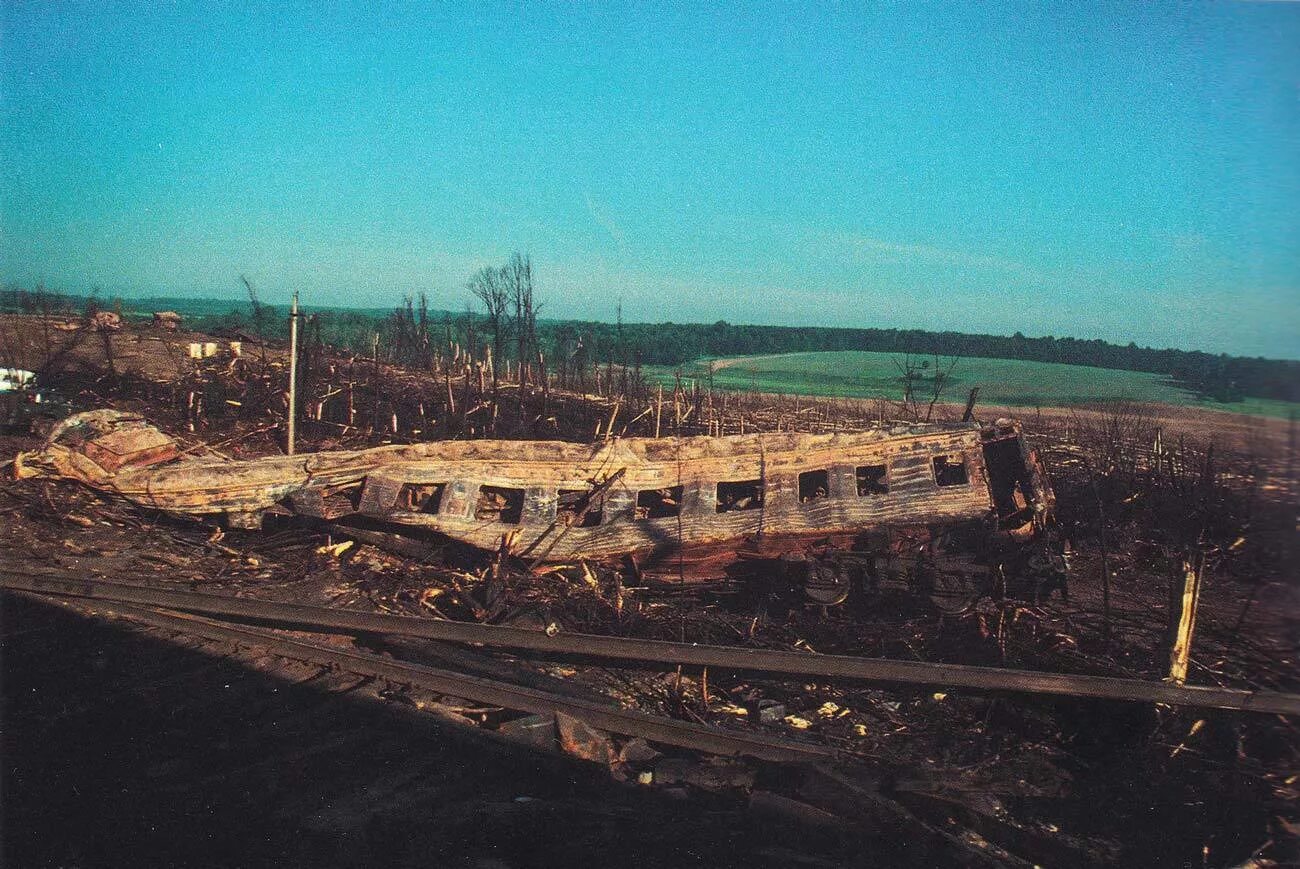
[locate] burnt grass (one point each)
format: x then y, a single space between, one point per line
1057 781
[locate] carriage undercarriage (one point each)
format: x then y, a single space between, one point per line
953 567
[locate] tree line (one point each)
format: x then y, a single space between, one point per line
501 316
1218 377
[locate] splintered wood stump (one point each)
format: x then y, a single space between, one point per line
1184 599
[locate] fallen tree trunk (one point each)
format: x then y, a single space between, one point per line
662 652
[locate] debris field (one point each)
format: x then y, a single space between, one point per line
144 733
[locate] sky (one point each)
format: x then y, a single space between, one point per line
1128 172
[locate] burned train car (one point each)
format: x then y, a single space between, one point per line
948 509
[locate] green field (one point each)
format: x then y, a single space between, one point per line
848 374
859 374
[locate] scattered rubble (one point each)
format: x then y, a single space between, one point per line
168 321
987 776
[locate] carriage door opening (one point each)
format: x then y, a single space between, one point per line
1008 476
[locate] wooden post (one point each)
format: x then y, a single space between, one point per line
293 372
609 429
659 408
1182 617
374 383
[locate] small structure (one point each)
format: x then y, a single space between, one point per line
168 321
107 321
13 379
203 349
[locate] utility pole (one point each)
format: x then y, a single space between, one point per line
293 371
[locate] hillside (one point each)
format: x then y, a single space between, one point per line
1209 378
1002 382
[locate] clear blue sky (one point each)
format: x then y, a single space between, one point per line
1128 172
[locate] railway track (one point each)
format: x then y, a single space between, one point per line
126 744
488 692
300 753
621 648
137 736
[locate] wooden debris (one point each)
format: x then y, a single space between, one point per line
582 741
535 730
719 774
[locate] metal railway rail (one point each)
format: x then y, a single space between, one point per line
661 652
487 691
378 789
132 745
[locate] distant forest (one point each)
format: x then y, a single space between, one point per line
575 343
1220 378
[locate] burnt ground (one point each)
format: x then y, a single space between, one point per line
126 746
123 749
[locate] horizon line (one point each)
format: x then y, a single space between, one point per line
237 299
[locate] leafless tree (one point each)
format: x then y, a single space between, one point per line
470 331
1118 435
519 278
259 317
912 371
409 333
491 287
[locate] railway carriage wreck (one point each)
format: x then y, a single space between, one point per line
948 509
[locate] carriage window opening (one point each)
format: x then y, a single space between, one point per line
499 504
741 495
872 480
950 470
420 497
659 503
814 485
571 503
340 501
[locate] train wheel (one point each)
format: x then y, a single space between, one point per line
954 591
827 583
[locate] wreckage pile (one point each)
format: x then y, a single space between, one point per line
989 777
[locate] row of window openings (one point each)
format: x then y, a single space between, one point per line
574 506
